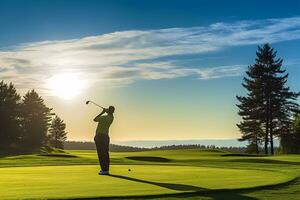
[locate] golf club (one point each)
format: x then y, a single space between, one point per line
87 102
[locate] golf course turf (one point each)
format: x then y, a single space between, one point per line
192 174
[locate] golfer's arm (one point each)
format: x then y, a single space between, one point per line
96 119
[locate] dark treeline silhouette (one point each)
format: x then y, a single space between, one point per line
231 149
75 145
204 147
269 109
24 121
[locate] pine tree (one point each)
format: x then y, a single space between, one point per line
57 132
269 103
250 127
9 117
36 117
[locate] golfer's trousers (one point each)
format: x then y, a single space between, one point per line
102 144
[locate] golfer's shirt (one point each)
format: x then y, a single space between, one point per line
104 123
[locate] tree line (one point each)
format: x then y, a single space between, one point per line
77 145
26 123
269 109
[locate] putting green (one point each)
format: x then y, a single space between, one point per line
83 181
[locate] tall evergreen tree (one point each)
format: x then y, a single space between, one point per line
36 117
9 117
269 103
57 135
250 127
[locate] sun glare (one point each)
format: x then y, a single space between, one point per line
65 86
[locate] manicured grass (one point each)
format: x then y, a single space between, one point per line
201 173
83 181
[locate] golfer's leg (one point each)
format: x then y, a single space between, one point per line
102 154
107 154
98 148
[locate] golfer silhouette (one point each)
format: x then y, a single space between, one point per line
102 138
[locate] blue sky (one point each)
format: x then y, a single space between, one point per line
173 68
29 21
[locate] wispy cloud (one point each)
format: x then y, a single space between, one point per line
127 56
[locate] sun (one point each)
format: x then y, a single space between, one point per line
65 86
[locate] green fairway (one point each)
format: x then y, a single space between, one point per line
83 181
152 173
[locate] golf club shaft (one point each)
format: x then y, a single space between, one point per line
96 104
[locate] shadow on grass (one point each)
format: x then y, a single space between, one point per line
190 191
148 158
186 189
172 186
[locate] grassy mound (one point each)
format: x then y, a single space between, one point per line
243 155
148 158
59 155
266 161
54 152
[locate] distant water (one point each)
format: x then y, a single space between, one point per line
159 143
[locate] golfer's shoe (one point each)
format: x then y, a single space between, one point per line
104 172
